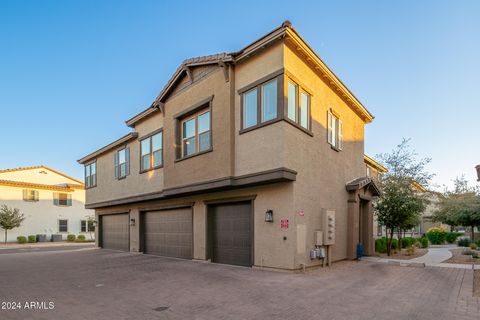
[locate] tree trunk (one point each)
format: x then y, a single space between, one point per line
5 236
473 233
389 242
399 243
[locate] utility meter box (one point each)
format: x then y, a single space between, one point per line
328 225
319 238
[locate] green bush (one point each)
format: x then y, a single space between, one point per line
451 237
394 244
71 237
424 242
407 242
473 246
22 239
465 242
437 236
32 238
80 238
381 245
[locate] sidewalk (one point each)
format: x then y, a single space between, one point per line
12 245
434 258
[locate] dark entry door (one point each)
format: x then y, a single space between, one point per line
230 233
169 233
116 232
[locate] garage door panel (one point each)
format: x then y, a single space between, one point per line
230 226
116 232
169 233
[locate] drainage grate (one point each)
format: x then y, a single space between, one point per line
161 309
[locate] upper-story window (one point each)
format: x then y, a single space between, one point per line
260 104
122 163
91 174
196 133
30 195
62 199
334 131
151 152
298 105
369 173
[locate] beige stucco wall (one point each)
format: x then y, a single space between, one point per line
260 149
322 171
109 188
207 166
41 217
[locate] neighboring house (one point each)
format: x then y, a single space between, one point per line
373 169
52 202
240 159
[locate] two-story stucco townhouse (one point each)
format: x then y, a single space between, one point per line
240 159
51 202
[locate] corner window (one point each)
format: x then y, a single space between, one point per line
122 163
298 105
196 133
334 131
151 152
91 175
62 225
30 195
62 199
260 104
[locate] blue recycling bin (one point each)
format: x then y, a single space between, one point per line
359 250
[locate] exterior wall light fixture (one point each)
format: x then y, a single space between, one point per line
269 216
132 222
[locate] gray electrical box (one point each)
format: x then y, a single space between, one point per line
328 226
319 238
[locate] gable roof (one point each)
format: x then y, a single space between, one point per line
284 31
41 167
362 182
108 147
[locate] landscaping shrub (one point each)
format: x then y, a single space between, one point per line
437 235
451 237
71 237
32 238
22 239
473 246
423 242
465 242
407 242
81 238
395 244
381 245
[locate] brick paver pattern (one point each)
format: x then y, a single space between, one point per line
103 284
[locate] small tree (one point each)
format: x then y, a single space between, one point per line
10 218
399 207
91 225
460 207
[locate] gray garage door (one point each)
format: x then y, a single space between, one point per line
116 232
230 233
169 233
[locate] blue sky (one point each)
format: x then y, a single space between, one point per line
71 72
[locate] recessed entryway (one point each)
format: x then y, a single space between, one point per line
230 233
168 233
115 232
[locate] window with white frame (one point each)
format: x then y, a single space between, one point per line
87 226
30 195
122 163
196 133
91 174
334 131
151 152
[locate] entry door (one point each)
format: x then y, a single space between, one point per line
169 233
230 233
115 232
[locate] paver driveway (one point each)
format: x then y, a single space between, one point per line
103 284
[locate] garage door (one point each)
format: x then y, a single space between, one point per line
169 233
230 233
116 232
